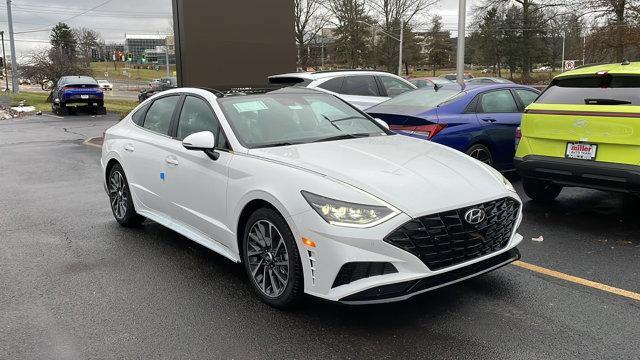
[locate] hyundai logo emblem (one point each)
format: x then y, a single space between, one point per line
474 216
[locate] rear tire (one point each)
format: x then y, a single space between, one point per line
271 259
481 153
541 190
120 198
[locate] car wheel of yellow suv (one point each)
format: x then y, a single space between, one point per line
583 130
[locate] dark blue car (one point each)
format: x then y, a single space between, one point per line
71 91
480 120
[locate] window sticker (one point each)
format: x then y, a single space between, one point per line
250 106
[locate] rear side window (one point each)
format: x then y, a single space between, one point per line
500 101
138 116
363 85
593 90
159 115
334 85
526 96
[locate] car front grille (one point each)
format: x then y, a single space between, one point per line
445 239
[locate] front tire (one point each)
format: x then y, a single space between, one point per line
541 190
121 199
271 259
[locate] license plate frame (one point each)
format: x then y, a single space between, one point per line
581 151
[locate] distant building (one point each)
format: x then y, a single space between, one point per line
106 52
154 45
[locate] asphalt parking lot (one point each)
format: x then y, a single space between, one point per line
75 285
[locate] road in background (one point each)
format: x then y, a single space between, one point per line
74 284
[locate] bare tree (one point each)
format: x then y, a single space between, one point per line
310 18
87 40
617 23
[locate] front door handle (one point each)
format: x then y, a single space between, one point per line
489 120
129 148
171 160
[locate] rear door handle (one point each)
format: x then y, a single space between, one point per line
489 120
171 160
129 148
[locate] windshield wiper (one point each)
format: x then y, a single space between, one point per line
284 143
343 137
592 101
347 118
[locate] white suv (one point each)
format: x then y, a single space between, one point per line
361 88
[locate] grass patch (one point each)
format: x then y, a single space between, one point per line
39 100
116 72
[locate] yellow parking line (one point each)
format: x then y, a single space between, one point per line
577 280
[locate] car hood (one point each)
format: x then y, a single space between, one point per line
416 176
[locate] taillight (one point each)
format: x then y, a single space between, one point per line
428 131
518 136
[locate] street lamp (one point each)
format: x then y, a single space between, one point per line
393 37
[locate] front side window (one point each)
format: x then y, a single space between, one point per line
500 101
196 116
159 115
284 119
394 87
363 85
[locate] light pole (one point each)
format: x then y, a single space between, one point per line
12 44
4 63
393 37
564 37
462 17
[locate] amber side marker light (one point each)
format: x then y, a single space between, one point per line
308 242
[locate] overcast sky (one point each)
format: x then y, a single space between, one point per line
114 18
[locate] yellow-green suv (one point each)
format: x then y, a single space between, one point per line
583 130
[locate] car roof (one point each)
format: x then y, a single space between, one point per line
628 68
331 73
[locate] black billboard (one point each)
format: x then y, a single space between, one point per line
235 43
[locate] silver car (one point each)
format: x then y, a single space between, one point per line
361 88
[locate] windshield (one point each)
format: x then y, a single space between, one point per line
593 90
425 98
278 119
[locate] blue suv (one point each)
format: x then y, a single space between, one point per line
77 90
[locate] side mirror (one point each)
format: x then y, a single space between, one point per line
382 122
202 141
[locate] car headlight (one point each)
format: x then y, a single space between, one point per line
344 213
500 177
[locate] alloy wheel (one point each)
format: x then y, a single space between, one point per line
268 258
118 194
482 155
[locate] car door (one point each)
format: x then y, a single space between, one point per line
362 91
144 154
196 185
499 114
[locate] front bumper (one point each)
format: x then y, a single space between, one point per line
583 173
338 247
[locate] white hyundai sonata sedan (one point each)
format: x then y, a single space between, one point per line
310 194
